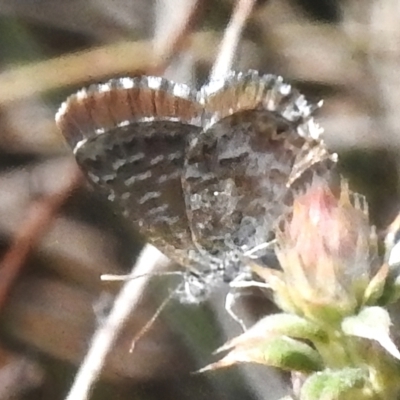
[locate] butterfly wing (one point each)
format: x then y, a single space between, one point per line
257 139
129 138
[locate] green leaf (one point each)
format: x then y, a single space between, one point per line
281 352
345 384
278 325
372 323
376 286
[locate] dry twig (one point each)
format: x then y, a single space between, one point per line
230 41
105 336
40 217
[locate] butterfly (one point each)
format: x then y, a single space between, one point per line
203 175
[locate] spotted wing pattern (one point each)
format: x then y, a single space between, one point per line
239 169
129 137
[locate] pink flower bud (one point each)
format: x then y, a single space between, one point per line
325 250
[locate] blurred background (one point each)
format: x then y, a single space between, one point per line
57 235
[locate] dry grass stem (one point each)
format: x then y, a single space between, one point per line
230 41
105 336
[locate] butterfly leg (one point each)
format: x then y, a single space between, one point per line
230 301
252 253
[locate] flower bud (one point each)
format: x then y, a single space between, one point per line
326 251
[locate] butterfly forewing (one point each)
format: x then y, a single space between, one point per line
136 153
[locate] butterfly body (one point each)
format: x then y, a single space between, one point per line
203 175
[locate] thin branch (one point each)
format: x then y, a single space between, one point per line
232 36
110 60
40 216
105 336
178 40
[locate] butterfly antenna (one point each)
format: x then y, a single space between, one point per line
266 245
151 321
113 278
